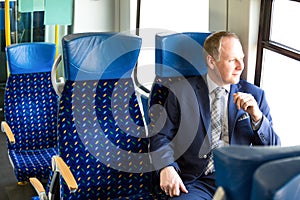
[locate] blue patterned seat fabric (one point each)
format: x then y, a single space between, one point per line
102 137
30 106
177 56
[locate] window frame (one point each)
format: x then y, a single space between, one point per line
264 41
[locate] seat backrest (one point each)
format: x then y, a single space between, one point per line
277 180
180 54
30 102
236 165
101 132
177 56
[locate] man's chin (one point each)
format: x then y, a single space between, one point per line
235 80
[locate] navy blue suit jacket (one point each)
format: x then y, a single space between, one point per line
184 142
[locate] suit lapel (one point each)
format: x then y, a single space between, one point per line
203 98
232 109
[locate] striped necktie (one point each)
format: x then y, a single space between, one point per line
216 123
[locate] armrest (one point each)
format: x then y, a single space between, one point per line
6 129
57 85
39 188
58 164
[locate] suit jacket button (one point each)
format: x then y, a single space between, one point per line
205 156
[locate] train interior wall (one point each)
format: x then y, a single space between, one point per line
122 17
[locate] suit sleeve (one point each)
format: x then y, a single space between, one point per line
161 145
266 135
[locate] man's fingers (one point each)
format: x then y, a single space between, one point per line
183 188
243 100
175 191
237 99
248 101
167 190
170 182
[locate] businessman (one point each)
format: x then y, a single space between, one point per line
236 113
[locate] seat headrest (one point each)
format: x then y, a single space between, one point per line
95 56
180 54
30 57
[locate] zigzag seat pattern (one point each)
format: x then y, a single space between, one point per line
29 110
101 140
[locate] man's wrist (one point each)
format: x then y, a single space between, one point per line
256 124
257 118
174 165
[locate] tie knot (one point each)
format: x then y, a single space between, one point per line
219 92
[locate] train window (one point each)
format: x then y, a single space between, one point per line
30 27
283 23
277 66
280 88
175 15
158 16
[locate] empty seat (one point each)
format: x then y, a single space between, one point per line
102 137
30 109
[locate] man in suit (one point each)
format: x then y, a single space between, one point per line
183 146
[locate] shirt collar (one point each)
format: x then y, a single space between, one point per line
212 85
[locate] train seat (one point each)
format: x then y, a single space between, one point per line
101 133
244 172
177 55
278 179
30 109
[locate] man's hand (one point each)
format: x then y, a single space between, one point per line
170 182
248 104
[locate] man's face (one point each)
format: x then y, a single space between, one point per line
230 66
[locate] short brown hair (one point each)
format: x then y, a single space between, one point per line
212 44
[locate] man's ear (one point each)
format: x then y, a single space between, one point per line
210 61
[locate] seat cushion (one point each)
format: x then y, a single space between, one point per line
33 163
94 144
109 186
145 196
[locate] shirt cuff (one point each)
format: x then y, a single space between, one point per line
256 125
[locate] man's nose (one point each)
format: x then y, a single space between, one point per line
239 64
